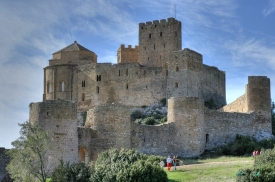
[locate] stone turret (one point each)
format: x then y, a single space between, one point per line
188 115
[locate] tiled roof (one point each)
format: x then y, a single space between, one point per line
73 47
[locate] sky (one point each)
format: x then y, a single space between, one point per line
237 36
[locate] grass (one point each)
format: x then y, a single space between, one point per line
211 169
48 179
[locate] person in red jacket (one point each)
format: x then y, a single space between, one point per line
169 163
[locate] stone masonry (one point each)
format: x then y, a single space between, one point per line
103 94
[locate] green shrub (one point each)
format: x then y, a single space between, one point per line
127 165
243 145
138 121
263 169
77 172
157 116
60 171
164 119
136 114
149 120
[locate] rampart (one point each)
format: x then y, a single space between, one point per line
127 55
4 160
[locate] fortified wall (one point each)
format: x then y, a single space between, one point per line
58 117
4 160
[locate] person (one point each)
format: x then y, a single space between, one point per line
254 153
169 163
175 162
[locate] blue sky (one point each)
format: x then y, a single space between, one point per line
236 36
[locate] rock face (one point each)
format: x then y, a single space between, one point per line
4 160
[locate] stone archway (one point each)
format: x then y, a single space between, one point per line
83 155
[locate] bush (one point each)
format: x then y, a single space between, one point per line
138 121
127 165
263 169
136 114
149 120
77 172
164 119
244 145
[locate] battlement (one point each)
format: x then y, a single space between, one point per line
122 46
162 22
127 55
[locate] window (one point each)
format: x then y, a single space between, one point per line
48 87
62 86
176 85
148 58
166 72
97 90
118 72
83 97
160 34
150 36
144 72
83 83
207 138
98 78
154 46
177 68
127 86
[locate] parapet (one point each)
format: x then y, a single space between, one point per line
162 22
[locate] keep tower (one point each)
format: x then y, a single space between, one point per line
156 40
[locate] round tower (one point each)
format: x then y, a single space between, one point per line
258 93
188 115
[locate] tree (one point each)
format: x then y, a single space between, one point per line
29 160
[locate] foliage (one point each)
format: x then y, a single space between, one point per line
164 119
149 120
263 169
163 101
29 161
136 114
77 172
210 104
127 165
138 121
273 117
244 145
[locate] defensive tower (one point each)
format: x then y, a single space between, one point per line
156 40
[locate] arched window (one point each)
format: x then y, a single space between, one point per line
207 138
176 85
48 87
83 83
177 68
83 97
83 155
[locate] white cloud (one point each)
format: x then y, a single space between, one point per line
270 8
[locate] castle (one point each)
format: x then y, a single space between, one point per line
78 90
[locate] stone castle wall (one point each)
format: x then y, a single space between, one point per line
4 160
188 77
58 117
222 127
239 105
127 55
128 84
156 40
